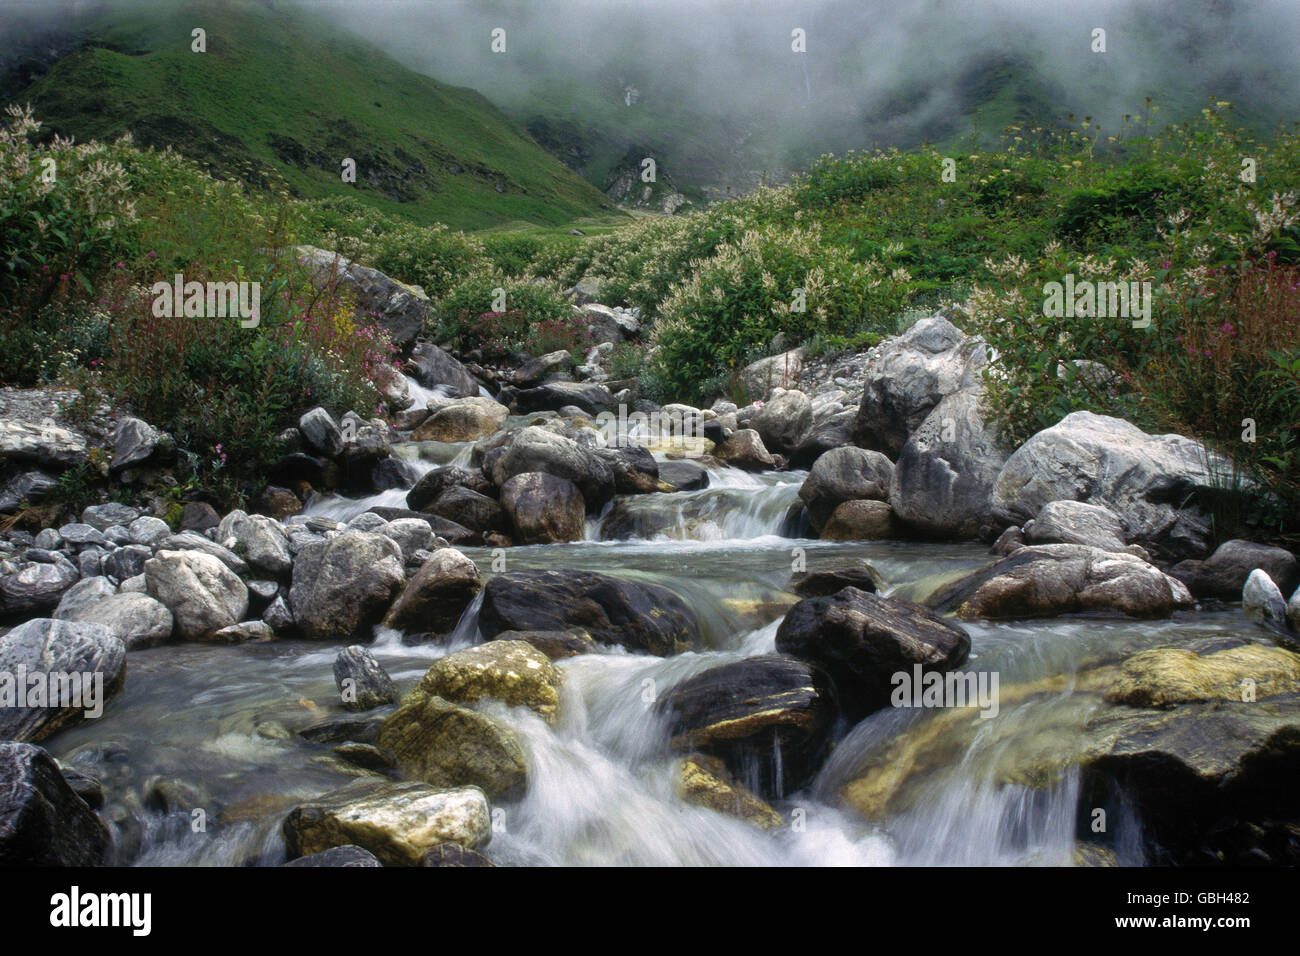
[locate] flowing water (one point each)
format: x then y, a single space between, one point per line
223 720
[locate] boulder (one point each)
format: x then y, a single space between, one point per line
192 541
43 822
261 540
400 309
942 483
343 586
26 488
544 509
411 535
784 420
552 396
137 620
471 510
47 445
362 681
447 745
1155 483
435 482
745 449
555 645
761 378
706 782
349 855
437 594
683 475
641 617
433 368
148 531
1262 601
105 516
862 640
908 375
1166 676
1049 579
136 442
461 420
397 822
860 521
635 470
322 432
241 633
768 718
844 474
508 670
1223 574
1076 522
824 583
199 516
834 431
536 449
537 370
37 586
70 669
202 594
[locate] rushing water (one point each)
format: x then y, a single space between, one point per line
219 723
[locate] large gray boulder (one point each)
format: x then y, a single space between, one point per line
544 509
434 368
844 474
401 309
535 449
776 371
1262 601
943 480
343 586
784 420
43 822
202 594
908 375
136 442
137 620
49 445
261 540
62 657
1145 479
362 681
37 585
1076 522
461 419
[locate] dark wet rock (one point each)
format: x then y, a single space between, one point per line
321 432
862 640
1223 574
36 586
362 682
43 822
536 449
27 488
338 856
51 649
343 586
434 368
435 482
544 509
537 370
552 396
277 503
298 468
393 473
747 711
366 756
644 617
635 469
1050 579
199 516
343 727
683 475
397 822
85 786
471 510
126 562
811 584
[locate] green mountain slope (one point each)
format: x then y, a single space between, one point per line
282 95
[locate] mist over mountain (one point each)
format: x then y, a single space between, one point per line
714 86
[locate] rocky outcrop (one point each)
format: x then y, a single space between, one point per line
401 309
642 617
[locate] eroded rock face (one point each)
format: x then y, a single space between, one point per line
1051 579
43 822
447 745
48 653
343 586
642 617
397 822
202 594
908 375
544 509
844 474
437 595
1106 461
511 671
746 711
942 484
862 640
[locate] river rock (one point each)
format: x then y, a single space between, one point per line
461 420
1262 600
844 474
102 517
860 521
362 681
435 482
411 535
261 540
437 594
344 585
471 510
536 449
148 531
454 855
777 371
705 781
512 671
908 375
784 420
862 640
942 484
810 584
400 309
537 370
1223 574
55 650
242 633
137 620
1076 522
552 396
1165 676
321 432
349 855
447 745
544 509
397 822
748 711
834 431
683 475
199 516
555 645
26 488
642 617
202 594
1050 579
635 470
193 541
745 449
1143 478
42 821
436 369
365 444
37 586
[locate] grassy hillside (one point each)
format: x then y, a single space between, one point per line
282 96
